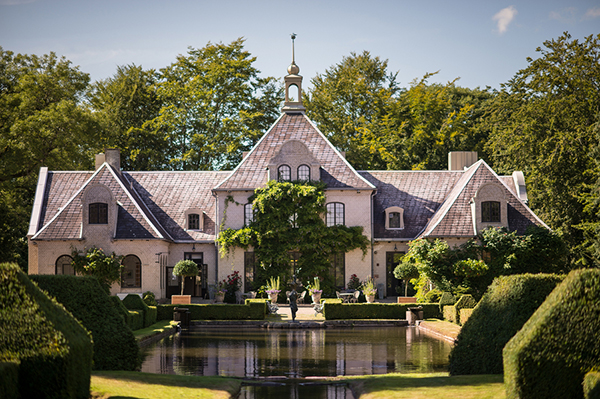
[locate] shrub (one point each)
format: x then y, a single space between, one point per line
338 311
122 310
115 347
591 385
446 299
433 296
54 350
185 268
254 309
464 302
502 311
137 320
9 380
450 314
149 298
559 344
465 314
134 302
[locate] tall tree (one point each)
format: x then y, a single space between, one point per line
42 123
350 103
215 106
123 105
542 122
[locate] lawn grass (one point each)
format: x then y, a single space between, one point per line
155 329
428 386
132 385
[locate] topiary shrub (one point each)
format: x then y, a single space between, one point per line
338 311
464 315
504 308
123 311
134 302
53 349
591 385
464 302
115 347
450 314
9 380
446 299
149 298
433 296
254 309
549 357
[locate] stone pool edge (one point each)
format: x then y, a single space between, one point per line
299 324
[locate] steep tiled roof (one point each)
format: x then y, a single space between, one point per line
419 193
169 194
252 171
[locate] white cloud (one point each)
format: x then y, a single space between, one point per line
593 13
504 17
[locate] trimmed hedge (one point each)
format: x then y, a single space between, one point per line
591 385
115 347
53 348
549 357
9 380
134 302
465 314
339 311
450 314
464 302
501 312
447 299
254 309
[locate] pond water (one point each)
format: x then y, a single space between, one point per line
299 353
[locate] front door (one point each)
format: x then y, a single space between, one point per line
392 259
197 285
173 284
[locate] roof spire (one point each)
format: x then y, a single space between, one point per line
293 101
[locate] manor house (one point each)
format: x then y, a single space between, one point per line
156 218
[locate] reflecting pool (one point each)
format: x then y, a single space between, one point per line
298 353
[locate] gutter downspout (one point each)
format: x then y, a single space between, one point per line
373 193
217 231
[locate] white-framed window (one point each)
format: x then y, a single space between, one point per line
284 173
394 218
248 214
335 214
193 221
304 173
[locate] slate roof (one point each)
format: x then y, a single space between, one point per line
252 172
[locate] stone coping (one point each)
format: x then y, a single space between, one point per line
290 325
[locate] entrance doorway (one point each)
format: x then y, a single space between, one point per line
196 286
392 259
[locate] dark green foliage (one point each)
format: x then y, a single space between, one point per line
549 357
450 314
185 268
9 380
94 262
134 302
591 385
502 311
125 314
115 347
137 320
464 302
464 315
149 298
53 348
433 296
254 310
445 300
339 311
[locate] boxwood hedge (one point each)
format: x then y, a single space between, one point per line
549 357
501 312
252 310
339 311
135 303
115 347
591 385
9 380
53 349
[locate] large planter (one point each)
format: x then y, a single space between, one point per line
316 297
219 298
273 297
181 299
370 298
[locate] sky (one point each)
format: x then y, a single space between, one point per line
483 43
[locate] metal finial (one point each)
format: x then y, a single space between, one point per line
293 50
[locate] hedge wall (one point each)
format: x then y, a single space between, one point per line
252 310
549 357
115 347
465 314
449 314
591 385
134 302
9 380
338 311
501 312
53 348
447 299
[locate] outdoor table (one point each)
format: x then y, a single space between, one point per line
346 296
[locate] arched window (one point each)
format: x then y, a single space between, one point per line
394 218
131 274
248 214
284 173
98 213
490 211
64 266
335 214
193 221
303 173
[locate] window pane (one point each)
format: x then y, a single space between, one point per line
131 275
248 214
284 173
394 221
303 173
63 265
490 211
249 271
194 221
338 268
98 213
335 214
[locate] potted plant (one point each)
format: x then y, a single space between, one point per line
315 290
369 290
220 291
273 289
183 269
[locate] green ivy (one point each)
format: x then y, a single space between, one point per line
94 262
290 217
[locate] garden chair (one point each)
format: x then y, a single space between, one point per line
238 297
354 299
287 295
301 297
252 294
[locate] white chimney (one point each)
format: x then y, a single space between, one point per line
460 160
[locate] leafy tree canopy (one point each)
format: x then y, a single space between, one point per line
94 262
289 217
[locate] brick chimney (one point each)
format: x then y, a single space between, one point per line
461 160
113 158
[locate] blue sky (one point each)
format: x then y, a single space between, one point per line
484 43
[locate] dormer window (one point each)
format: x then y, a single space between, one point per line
284 173
303 173
193 221
490 212
394 218
98 213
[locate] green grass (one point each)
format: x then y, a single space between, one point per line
155 329
132 385
428 386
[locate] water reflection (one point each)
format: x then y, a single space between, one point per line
243 352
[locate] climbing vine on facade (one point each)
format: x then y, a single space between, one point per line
289 218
